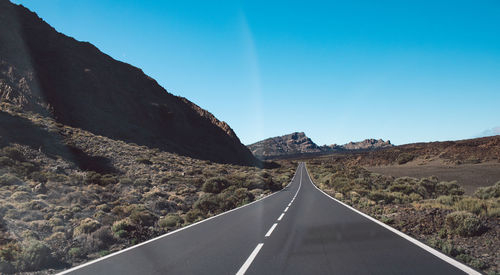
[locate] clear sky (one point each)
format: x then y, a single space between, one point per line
340 71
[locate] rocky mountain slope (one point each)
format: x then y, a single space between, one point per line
291 144
48 73
299 144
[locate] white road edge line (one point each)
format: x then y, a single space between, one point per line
427 248
169 233
281 217
249 261
271 230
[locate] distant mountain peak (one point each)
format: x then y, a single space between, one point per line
298 143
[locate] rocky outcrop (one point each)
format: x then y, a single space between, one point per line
292 144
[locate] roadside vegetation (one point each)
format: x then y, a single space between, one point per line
433 211
76 196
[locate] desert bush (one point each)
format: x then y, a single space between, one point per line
341 184
142 182
95 178
99 239
193 215
404 158
463 223
473 205
233 197
143 161
126 181
142 217
122 228
207 203
39 176
171 220
12 153
214 185
488 192
35 255
446 200
20 196
6 161
76 252
381 196
108 179
414 197
25 168
9 179
86 226
403 188
449 188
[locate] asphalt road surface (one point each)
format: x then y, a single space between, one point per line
299 230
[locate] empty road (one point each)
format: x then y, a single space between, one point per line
299 230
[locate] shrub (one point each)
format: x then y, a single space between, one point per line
99 239
233 197
193 215
214 185
144 161
207 203
341 184
472 205
142 217
403 188
6 161
446 200
449 188
404 158
9 179
488 192
108 179
122 228
86 226
142 182
35 255
13 153
76 252
463 223
171 220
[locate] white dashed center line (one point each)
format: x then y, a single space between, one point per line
286 209
249 261
281 217
271 230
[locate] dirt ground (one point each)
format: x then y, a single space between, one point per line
469 176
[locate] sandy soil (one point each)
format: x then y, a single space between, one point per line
470 176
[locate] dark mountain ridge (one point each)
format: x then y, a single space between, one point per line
49 73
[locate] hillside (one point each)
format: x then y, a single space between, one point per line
45 72
298 144
68 196
468 151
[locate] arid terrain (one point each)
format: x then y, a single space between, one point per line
445 194
68 196
469 176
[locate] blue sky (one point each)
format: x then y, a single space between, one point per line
340 71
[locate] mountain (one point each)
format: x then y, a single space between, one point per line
299 144
367 144
291 144
50 74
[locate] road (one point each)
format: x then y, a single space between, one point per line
299 230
